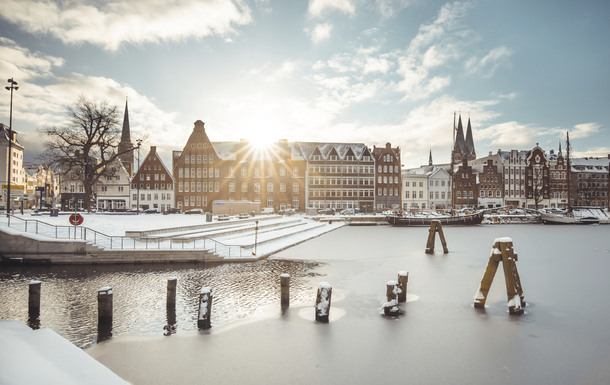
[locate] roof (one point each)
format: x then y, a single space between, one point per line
307 148
596 165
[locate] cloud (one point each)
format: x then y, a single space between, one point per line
285 71
584 130
388 8
512 135
20 63
595 152
434 46
376 65
318 7
486 66
110 24
320 32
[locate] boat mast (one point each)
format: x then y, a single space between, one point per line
569 173
451 167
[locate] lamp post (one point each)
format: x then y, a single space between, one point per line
139 143
10 146
255 237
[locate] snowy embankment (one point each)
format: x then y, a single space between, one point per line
274 234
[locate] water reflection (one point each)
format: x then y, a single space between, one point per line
69 295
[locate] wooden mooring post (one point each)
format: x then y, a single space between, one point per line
435 227
285 290
390 307
34 298
502 251
403 279
204 319
104 305
325 291
171 292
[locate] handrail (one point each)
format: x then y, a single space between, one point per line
105 241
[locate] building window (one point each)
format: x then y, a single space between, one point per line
257 172
244 187
217 187
231 187
270 187
257 187
295 187
282 171
243 171
269 202
282 187
295 171
295 203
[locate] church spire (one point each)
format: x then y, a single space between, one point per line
125 145
430 160
469 145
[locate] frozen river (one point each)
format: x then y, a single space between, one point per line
563 337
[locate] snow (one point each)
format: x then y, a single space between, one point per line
392 283
503 240
34 282
403 273
285 275
479 295
515 302
205 290
324 285
105 288
172 279
44 357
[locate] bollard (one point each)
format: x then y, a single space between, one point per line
502 251
285 288
325 291
104 305
34 298
205 308
171 292
403 279
390 308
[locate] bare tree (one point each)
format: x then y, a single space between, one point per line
537 186
86 145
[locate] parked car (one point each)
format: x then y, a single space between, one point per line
194 211
347 212
173 210
326 212
267 210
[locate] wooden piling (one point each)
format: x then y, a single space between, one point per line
390 308
34 298
435 227
325 291
204 319
403 279
171 292
285 290
104 305
502 251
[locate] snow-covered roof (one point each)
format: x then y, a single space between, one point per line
596 165
307 148
244 151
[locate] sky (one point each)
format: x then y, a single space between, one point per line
320 70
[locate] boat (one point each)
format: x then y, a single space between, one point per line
567 219
406 219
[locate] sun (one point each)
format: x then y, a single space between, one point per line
262 139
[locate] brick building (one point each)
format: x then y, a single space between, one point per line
388 186
154 184
558 180
537 175
590 182
490 185
206 171
465 191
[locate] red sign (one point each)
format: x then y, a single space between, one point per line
76 219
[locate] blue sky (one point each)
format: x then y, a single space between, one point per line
319 70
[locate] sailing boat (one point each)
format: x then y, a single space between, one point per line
572 217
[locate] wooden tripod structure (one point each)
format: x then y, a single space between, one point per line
504 252
435 227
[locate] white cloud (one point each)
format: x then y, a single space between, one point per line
109 24
486 66
595 152
376 65
20 63
388 8
512 135
584 130
510 96
433 46
318 7
320 32
285 71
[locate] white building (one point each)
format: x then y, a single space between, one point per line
415 188
17 171
439 187
112 192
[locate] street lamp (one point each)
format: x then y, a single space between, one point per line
255 237
10 146
139 143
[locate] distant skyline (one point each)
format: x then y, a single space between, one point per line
321 70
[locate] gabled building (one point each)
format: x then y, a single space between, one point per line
590 182
112 191
340 175
514 179
206 171
439 185
537 167
16 165
558 180
465 191
415 188
388 186
152 187
491 185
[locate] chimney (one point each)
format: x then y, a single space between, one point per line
388 145
153 149
199 125
489 153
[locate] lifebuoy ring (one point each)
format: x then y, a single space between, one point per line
506 210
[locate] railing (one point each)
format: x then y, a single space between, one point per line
118 242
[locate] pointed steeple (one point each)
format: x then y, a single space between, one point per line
126 157
430 160
469 145
459 139
126 135
559 155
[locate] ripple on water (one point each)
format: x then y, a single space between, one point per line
69 294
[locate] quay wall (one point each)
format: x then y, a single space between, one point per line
17 247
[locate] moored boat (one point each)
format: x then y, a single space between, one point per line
445 220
